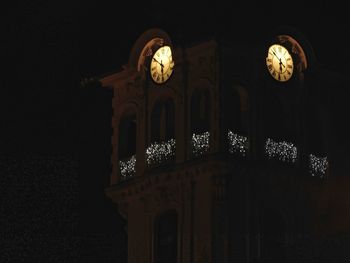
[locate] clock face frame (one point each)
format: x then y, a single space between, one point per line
162 65
279 62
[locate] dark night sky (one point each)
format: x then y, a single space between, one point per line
48 46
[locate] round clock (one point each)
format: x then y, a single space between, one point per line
162 65
279 62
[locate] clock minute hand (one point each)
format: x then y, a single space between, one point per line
280 60
275 54
158 62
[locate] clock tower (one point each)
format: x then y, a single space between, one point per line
212 156
165 136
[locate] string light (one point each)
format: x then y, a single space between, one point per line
237 143
200 143
161 152
127 167
318 165
158 153
283 151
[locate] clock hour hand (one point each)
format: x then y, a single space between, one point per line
281 63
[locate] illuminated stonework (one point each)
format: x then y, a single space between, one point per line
160 152
127 167
200 143
318 165
283 151
237 144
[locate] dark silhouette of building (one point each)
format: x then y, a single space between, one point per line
224 163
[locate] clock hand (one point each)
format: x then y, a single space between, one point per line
274 53
158 62
281 63
278 58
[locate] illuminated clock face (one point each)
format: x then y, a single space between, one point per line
279 62
162 65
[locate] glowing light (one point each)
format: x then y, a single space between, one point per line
127 167
162 64
161 152
237 143
279 62
200 143
283 151
318 165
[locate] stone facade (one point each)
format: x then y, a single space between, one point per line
240 191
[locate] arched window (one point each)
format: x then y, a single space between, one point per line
318 157
165 238
274 118
235 114
200 112
162 145
200 122
237 120
163 121
280 126
315 129
127 145
127 136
